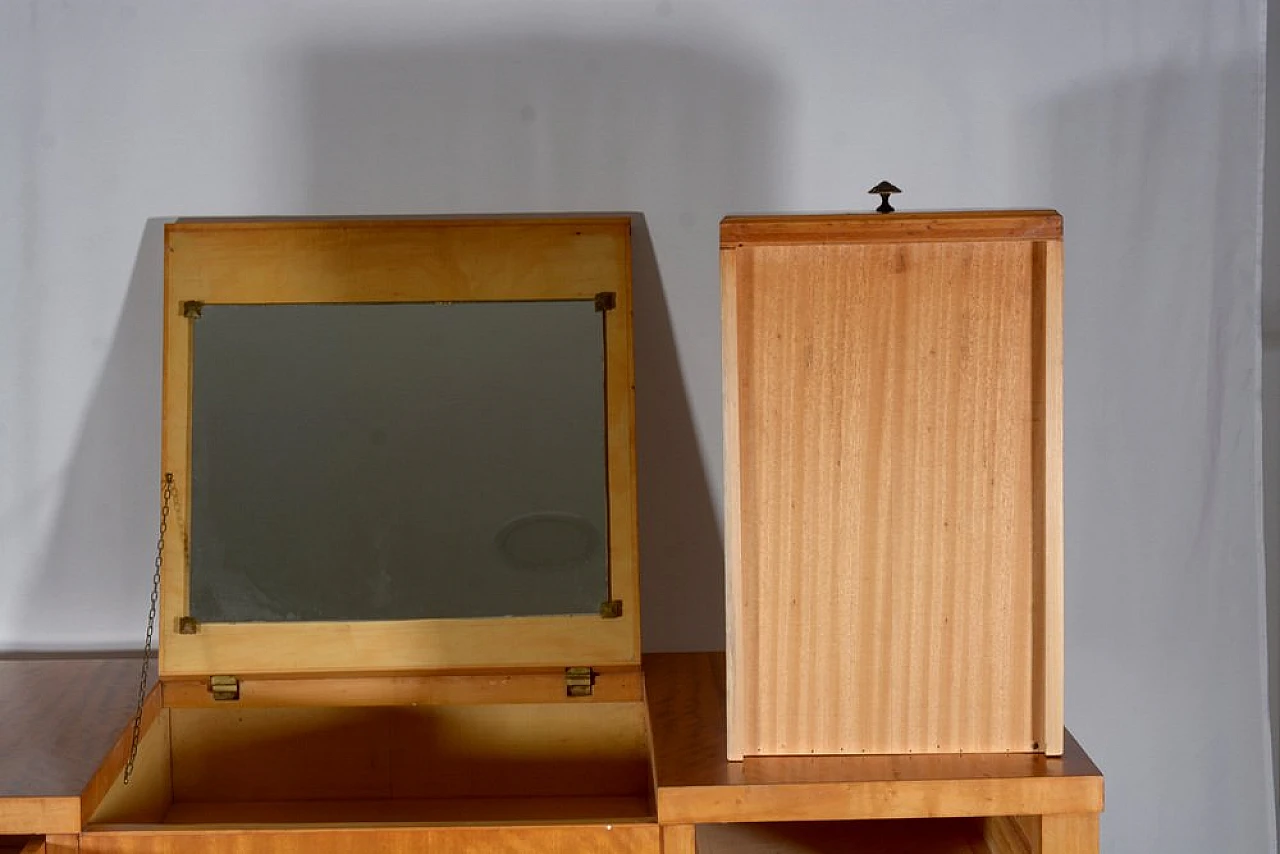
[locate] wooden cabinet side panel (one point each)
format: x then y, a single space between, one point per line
1065 833
1069 834
593 839
734 633
150 790
1048 593
885 552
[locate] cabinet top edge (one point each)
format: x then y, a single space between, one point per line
603 220
929 226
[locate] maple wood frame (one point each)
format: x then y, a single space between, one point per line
321 261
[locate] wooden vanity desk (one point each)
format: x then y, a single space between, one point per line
60 718
344 400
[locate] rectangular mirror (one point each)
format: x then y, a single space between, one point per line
398 461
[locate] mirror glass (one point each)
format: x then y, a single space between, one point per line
404 461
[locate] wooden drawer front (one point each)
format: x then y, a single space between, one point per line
561 839
893 501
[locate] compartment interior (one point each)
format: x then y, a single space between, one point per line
528 763
888 836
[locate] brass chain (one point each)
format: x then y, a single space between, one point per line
151 626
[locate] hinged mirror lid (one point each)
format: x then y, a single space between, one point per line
398 445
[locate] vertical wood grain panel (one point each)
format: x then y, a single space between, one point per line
886 540
732 500
679 839
1067 834
1050 632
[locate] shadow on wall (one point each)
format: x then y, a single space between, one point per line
536 124
1156 180
104 538
550 124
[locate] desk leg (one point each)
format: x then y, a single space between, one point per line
678 839
62 844
1050 834
1069 834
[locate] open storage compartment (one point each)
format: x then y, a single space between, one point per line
524 765
999 835
406 764
399 592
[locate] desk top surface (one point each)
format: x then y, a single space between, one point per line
59 717
696 783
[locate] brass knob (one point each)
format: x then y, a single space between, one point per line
884 190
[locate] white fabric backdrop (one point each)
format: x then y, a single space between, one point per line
1138 119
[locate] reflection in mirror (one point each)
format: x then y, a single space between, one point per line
405 461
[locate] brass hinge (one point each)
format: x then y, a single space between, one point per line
191 309
579 681
606 301
224 687
611 610
187 626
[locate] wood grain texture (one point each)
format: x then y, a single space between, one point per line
150 789
21 815
534 642
390 260
934 836
468 688
968 226
280 754
111 769
1048 595
584 839
58 719
733 584
1066 834
394 260
679 839
62 843
1004 835
885 395
414 811
522 750
353 753
696 783
892 437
